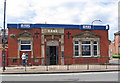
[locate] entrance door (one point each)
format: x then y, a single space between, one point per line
52 55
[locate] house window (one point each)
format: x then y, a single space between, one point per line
86 48
111 51
25 45
119 49
95 44
76 46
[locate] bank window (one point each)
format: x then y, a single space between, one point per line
25 45
95 44
86 48
76 46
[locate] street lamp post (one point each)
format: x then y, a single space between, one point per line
4 36
95 20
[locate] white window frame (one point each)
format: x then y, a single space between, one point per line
90 48
97 48
78 48
26 44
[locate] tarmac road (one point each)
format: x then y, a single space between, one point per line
89 76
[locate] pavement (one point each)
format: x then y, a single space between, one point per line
59 69
114 61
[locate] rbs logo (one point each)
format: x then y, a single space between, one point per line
86 27
25 25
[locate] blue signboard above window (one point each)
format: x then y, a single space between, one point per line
65 26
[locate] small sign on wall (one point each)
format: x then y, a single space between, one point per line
62 53
52 30
36 60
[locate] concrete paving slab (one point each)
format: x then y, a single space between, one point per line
60 69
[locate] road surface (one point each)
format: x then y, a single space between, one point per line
90 76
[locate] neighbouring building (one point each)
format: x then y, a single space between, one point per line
114 47
0 37
57 44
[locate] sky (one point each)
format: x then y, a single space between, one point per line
62 12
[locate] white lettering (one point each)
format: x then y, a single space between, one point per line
25 25
86 27
48 30
52 31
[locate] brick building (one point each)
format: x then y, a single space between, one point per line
0 38
57 44
114 47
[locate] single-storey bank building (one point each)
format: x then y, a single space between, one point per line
57 44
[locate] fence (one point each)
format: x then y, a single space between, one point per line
71 65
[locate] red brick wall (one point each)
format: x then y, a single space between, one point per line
13 45
37 44
68 46
104 46
117 43
112 48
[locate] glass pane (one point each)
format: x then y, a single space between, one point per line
95 47
86 47
25 42
95 52
76 53
76 47
95 42
85 42
25 47
86 53
86 50
76 42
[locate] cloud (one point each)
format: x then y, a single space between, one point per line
63 12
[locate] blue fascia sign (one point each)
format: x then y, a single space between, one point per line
24 26
107 27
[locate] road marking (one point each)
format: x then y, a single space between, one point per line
60 74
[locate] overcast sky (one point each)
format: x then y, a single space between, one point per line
62 12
